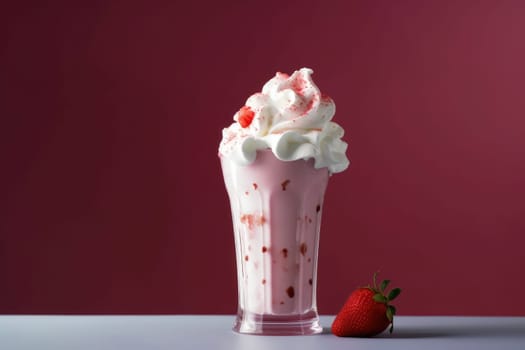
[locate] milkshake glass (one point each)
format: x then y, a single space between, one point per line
276 159
276 209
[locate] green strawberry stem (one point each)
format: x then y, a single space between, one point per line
380 297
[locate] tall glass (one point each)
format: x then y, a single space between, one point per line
276 209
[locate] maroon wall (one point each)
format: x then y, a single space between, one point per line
111 197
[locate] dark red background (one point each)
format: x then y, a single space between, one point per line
111 197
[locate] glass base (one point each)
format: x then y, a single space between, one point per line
257 324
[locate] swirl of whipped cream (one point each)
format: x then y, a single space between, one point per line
293 119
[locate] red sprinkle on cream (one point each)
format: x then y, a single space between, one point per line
310 105
298 85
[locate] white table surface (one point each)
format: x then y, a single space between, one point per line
214 332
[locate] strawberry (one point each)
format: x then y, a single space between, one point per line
245 116
367 312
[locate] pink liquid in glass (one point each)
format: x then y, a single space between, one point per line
276 209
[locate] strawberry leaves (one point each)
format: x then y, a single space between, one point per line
380 297
384 285
394 293
390 312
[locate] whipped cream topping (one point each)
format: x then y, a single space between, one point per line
293 119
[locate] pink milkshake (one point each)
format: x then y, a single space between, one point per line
276 160
276 209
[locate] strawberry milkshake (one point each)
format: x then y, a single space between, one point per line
276 159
